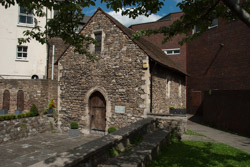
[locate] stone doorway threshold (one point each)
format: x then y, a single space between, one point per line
28 151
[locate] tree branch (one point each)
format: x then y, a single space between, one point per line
238 10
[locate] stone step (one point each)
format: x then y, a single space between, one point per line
142 154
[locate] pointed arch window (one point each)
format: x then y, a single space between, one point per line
6 100
20 100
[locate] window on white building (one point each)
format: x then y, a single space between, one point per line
22 52
175 51
25 17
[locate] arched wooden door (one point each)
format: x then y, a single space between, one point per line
97 106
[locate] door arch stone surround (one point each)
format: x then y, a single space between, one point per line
103 91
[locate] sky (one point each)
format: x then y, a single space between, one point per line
169 7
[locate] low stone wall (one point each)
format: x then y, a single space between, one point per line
11 130
38 92
97 151
169 121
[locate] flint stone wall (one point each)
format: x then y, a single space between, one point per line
11 130
38 92
164 97
118 74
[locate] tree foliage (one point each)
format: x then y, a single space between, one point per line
199 13
70 13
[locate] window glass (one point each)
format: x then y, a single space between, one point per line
214 23
25 16
22 52
30 20
98 38
172 51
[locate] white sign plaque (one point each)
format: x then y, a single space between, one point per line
119 109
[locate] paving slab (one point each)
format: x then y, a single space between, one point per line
28 151
234 140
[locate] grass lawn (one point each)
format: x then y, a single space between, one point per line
204 154
189 132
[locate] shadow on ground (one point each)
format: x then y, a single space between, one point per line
197 153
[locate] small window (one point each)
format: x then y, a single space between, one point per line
214 23
55 13
180 91
22 52
25 16
98 38
172 51
168 89
196 29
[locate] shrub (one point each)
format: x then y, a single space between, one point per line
33 111
111 129
73 125
45 111
21 115
171 107
52 104
7 117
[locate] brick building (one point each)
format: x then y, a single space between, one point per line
175 52
129 80
218 88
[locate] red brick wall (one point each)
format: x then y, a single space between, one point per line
220 60
158 38
212 66
227 110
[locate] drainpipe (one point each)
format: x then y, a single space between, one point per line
53 58
48 47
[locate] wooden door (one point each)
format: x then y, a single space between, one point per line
97 107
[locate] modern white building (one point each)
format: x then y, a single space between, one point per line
24 61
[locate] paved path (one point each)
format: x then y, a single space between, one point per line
240 142
31 150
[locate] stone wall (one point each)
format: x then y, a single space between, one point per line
118 75
11 130
168 90
38 92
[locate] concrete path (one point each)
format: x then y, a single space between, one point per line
31 150
240 142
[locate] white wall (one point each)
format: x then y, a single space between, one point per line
10 31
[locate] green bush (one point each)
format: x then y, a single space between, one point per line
171 107
33 111
45 111
7 117
21 115
111 129
73 125
52 104
25 115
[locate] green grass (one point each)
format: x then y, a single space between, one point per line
205 154
189 132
